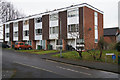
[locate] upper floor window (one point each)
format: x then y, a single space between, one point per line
15 34
7 25
38 20
38 31
54 17
54 30
26 22
73 28
73 13
7 35
15 24
26 33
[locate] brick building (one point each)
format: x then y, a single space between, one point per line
73 25
111 35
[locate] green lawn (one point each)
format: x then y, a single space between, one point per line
86 56
45 52
38 51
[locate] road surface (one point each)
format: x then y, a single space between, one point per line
22 65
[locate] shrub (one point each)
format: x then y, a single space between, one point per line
117 47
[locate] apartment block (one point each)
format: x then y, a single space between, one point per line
73 25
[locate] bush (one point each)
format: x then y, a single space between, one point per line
117 47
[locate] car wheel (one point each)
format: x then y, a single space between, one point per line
29 48
20 48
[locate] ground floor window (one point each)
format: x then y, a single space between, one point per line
38 31
29 42
73 28
7 35
15 34
54 30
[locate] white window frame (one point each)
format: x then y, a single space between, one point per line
96 26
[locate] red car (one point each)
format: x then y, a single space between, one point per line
22 45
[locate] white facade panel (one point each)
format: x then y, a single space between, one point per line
15 38
6 39
25 37
38 37
25 27
15 29
7 30
73 35
53 23
53 36
1 32
73 20
38 25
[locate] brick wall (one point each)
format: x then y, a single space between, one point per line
45 27
11 32
81 22
4 33
63 18
20 30
89 28
31 29
89 31
110 39
33 44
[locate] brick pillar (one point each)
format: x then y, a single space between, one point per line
12 43
33 44
46 45
64 42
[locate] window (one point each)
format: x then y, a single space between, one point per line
54 30
26 33
73 28
38 20
38 31
26 44
15 34
15 24
26 22
96 26
7 25
7 35
73 13
54 17
59 42
21 43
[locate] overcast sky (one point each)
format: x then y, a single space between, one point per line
109 7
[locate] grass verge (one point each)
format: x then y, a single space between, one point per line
38 51
73 55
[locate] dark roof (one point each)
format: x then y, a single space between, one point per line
110 31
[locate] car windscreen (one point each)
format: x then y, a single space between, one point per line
16 43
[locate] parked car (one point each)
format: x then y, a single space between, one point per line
5 45
22 45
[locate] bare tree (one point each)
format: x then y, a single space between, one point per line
8 12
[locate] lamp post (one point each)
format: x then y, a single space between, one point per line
60 40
